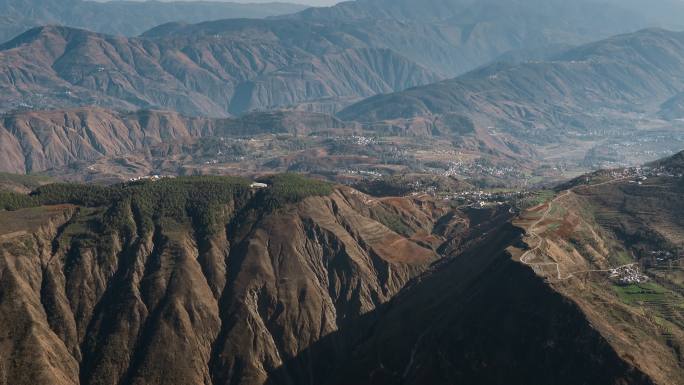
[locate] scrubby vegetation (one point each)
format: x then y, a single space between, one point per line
291 188
402 185
14 201
27 181
189 198
199 201
393 222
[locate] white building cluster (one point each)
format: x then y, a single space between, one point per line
153 178
628 275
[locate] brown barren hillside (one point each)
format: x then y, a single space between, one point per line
614 248
36 141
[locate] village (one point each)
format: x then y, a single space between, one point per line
628 275
481 199
152 178
479 168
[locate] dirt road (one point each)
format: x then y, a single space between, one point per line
531 231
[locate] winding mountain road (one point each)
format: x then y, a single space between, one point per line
531 231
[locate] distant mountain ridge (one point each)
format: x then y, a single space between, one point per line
321 59
576 90
603 86
455 36
124 17
212 74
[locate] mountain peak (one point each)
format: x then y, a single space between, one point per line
49 31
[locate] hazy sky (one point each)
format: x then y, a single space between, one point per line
306 2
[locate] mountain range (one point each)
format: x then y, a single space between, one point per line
220 68
220 292
320 59
618 87
610 84
380 192
456 36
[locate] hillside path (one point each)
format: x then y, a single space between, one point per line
531 231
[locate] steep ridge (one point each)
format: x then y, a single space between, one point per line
215 74
118 281
40 140
577 91
586 288
123 17
481 319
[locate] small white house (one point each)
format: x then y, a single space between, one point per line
257 185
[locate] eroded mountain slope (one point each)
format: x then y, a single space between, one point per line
196 280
